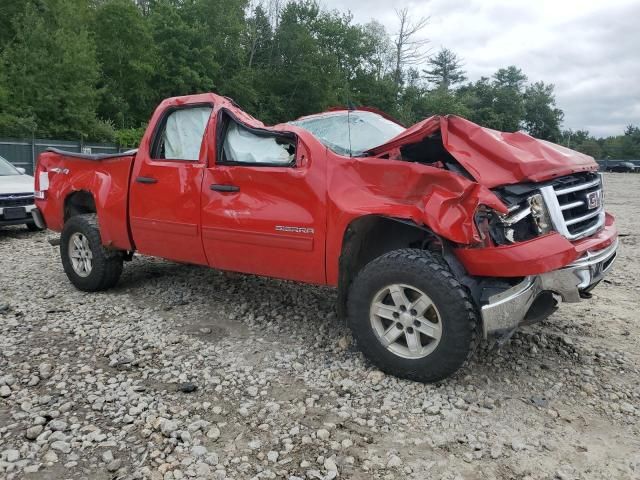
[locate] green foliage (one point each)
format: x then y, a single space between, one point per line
445 69
541 117
127 57
618 147
186 57
9 10
96 69
49 71
129 137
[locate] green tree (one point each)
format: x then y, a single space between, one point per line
445 69
278 60
258 38
510 77
9 12
542 118
186 56
479 98
127 58
303 76
632 131
49 71
590 147
378 43
508 101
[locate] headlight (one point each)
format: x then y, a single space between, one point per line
524 221
540 213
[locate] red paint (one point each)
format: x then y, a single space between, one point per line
496 158
107 180
533 257
180 218
239 228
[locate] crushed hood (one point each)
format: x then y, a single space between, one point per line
494 158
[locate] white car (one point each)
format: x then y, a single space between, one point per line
16 196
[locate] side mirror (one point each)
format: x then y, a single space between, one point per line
21 170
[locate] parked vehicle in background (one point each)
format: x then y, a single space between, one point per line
16 196
433 235
623 167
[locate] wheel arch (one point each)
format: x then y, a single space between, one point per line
79 202
111 214
370 236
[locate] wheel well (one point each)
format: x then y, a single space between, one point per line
371 236
78 203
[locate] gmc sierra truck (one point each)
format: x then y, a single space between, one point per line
434 235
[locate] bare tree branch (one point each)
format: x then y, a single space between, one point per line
409 47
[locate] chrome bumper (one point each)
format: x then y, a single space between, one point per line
505 311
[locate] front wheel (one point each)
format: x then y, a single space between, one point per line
89 266
411 317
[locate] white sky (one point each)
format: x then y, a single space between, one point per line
589 49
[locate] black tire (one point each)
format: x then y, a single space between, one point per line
106 264
428 273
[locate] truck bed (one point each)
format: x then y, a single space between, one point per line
69 180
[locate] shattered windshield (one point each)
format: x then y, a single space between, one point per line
351 133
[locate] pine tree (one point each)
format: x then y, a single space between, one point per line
445 69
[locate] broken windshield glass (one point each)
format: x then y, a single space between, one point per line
351 132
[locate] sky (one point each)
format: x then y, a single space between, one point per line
589 49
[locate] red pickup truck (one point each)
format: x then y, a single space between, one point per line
434 235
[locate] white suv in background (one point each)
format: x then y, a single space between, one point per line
16 196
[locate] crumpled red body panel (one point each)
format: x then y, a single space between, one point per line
495 158
441 200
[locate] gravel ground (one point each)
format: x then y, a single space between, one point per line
185 372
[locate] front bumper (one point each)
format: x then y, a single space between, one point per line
535 297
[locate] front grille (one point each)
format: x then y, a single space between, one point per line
16 199
575 205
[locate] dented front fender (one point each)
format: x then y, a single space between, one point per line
439 199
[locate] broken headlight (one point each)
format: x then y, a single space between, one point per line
540 214
523 221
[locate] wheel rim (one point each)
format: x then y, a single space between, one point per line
80 254
405 321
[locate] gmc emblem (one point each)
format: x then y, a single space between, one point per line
593 200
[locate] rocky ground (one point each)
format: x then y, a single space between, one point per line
185 372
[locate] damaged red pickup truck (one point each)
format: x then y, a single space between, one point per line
434 235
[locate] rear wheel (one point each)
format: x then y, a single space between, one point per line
88 265
411 317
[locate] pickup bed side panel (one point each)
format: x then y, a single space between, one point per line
106 180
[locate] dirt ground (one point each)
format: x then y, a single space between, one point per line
185 372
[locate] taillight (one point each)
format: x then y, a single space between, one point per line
42 185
